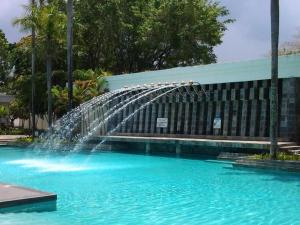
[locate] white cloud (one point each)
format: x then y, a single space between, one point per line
249 36
9 10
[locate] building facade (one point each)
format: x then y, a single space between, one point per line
229 100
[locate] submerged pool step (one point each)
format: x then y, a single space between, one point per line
12 196
292 166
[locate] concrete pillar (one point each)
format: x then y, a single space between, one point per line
123 117
173 118
210 118
166 114
264 109
141 121
129 123
245 118
253 118
263 126
147 119
202 117
178 149
153 118
187 118
194 115
148 148
227 119
235 118
180 118
159 115
135 118
218 113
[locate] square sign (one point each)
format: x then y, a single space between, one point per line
217 123
162 122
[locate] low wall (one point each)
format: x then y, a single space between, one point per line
178 146
240 108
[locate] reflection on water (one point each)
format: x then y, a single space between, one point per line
48 166
47 206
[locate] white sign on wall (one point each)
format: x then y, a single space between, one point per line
217 123
162 122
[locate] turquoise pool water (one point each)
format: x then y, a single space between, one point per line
113 188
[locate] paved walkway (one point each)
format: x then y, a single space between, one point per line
4 139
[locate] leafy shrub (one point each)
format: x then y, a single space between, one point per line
13 131
25 140
280 156
3 111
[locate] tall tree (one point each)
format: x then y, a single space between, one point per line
51 27
4 52
48 23
69 52
137 35
29 22
274 78
33 25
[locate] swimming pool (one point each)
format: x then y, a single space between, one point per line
114 188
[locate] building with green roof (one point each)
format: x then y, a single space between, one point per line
236 104
260 69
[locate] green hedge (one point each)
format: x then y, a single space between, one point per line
13 131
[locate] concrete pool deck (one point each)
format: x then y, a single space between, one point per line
5 139
11 195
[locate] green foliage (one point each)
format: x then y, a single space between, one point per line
131 36
4 54
50 27
280 156
26 140
18 110
118 36
83 74
59 77
89 74
3 111
23 141
87 84
20 56
20 87
13 131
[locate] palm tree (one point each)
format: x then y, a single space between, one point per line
29 23
274 79
48 23
51 26
33 76
69 52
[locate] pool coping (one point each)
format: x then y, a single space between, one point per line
207 142
22 196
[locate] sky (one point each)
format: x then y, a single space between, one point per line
247 38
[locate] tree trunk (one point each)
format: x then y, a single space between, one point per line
33 76
69 52
49 74
274 79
